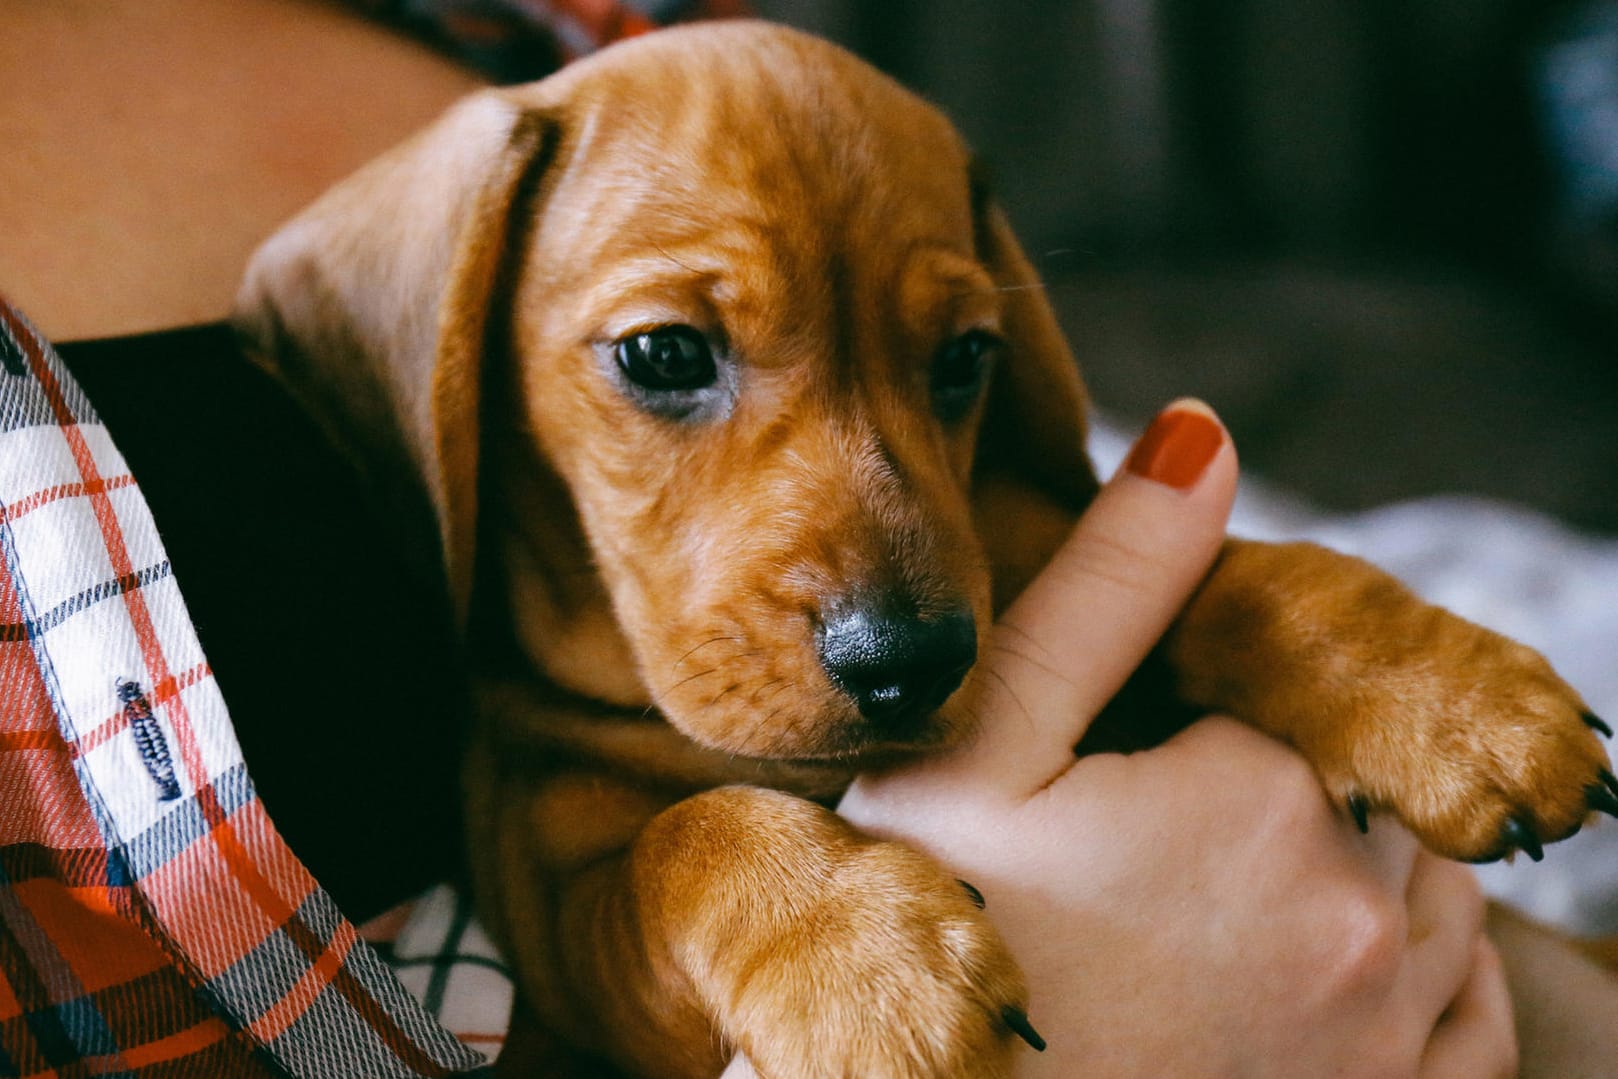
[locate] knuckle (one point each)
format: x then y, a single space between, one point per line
1365 937
1299 787
1298 804
1097 556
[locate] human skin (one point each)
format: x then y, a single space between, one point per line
151 145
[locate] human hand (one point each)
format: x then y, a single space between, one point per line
1197 909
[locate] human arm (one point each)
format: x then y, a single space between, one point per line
155 143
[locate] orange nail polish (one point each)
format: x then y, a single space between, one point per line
1176 448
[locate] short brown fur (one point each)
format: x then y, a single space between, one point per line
656 740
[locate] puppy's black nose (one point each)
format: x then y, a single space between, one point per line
898 668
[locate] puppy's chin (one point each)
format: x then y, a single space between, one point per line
834 734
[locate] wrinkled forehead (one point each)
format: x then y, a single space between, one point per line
785 136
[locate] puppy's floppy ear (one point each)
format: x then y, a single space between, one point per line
373 306
1031 465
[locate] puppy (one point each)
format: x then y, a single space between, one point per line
737 413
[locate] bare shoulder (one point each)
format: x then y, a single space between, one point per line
151 144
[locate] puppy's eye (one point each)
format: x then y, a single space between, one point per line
667 358
959 371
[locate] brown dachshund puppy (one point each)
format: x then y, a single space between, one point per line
738 413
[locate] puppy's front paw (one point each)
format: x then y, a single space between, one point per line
1471 738
822 953
1475 742
893 972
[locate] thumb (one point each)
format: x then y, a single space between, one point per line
1133 560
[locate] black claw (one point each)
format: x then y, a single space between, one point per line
1360 811
972 893
1610 781
1520 833
1596 723
1602 800
1017 1020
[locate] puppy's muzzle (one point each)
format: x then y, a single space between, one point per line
896 665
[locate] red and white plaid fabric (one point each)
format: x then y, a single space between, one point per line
152 922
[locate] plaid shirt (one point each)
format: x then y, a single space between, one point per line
152 921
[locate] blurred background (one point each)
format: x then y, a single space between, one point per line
1380 236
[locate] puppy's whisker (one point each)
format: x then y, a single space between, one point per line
693 677
697 648
1044 665
778 683
722 694
677 262
1037 286
1045 661
1005 685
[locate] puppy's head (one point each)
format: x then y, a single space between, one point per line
710 358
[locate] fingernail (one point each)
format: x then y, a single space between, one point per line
1177 447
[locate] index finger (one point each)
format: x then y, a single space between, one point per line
1067 645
